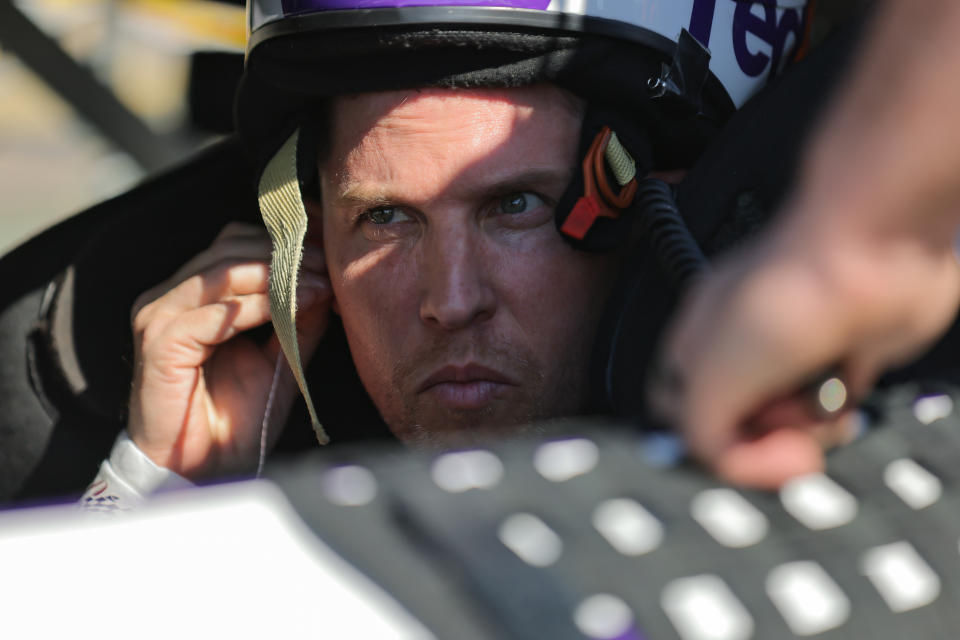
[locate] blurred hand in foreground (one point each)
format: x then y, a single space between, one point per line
857 274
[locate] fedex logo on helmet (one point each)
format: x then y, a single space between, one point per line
298 6
750 42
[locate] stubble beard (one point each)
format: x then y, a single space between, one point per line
541 396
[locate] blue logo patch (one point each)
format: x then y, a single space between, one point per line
774 28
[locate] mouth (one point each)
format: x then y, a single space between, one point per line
468 387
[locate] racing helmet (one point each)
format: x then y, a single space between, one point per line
659 77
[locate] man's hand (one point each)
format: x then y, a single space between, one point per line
200 387
857 274
797 303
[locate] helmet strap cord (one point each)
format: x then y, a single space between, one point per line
283 211
267 410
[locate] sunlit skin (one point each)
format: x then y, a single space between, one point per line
464 308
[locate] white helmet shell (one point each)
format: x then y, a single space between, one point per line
749 42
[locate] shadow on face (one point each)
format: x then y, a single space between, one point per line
464 309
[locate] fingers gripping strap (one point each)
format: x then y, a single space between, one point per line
281 205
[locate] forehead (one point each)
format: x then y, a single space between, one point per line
354 113
451 129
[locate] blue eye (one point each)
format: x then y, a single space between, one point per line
522 202
386 215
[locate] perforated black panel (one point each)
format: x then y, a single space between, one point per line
579 534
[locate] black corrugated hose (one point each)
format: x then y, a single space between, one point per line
660 221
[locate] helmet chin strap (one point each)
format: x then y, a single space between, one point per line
281 205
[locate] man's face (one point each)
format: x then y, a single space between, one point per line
463 307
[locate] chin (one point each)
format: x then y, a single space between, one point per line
461 429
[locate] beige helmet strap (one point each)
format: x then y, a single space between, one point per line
621 163
281 205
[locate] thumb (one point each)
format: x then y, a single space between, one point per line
770 459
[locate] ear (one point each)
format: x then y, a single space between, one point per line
314 235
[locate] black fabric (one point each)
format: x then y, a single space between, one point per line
285 78
55 431
27 420
114 252
214 77
729 195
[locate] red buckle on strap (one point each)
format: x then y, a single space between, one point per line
582 217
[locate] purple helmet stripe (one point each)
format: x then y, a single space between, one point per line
300 6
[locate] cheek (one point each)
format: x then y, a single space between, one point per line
556 297
373 297
554 285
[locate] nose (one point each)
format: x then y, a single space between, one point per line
456 280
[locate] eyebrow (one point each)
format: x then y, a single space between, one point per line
363 194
